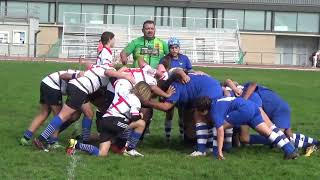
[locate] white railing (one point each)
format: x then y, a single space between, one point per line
86 28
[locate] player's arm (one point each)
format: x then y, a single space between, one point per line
182 76
159 92
162 106
252 87
69 76
220 139
233 87
226 93
126 52
119 75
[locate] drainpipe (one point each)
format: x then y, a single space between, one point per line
35 43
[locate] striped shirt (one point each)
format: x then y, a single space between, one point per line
53 80
93 79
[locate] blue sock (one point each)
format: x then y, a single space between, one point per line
133 140
258 139
210 139
92 150
303 141
28 135
287 147
54 125
86 128
227 145
202 136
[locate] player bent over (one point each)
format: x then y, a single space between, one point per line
52 88
78 91
123 113
228 112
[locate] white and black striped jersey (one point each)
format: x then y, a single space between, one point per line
53 80
93 79
105 57
124 105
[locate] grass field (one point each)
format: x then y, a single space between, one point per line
19 103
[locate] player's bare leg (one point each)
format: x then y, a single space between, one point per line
37 121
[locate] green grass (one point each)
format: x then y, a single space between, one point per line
19 103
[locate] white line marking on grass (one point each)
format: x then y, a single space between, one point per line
71 168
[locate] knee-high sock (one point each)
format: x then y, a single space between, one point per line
210 139
92 150
86 128
258 139
28 134
303 141
215 143
281 143
202 136
227 144
280 133
133 140
167 127
54 125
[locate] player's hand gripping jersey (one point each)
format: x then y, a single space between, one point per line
93 79
145 74
54 81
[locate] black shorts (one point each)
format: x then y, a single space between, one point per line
102 99
76 97
112 127
50 96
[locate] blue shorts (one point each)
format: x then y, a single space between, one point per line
248 114
281 117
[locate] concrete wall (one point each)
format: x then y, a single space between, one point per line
47 37
259 48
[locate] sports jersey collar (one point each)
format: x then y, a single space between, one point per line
108 49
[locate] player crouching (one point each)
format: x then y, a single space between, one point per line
228 112
122 114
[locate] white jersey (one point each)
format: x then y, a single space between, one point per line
124 106
105 57
139 74
93 79
53 80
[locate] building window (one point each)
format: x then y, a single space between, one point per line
196 17
4 37
43 11
143 13
94 14
254 20
230 16
176 17
52 13
162 16
74 17
121 13
285 21
268 20
210 20
17 9
308 22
